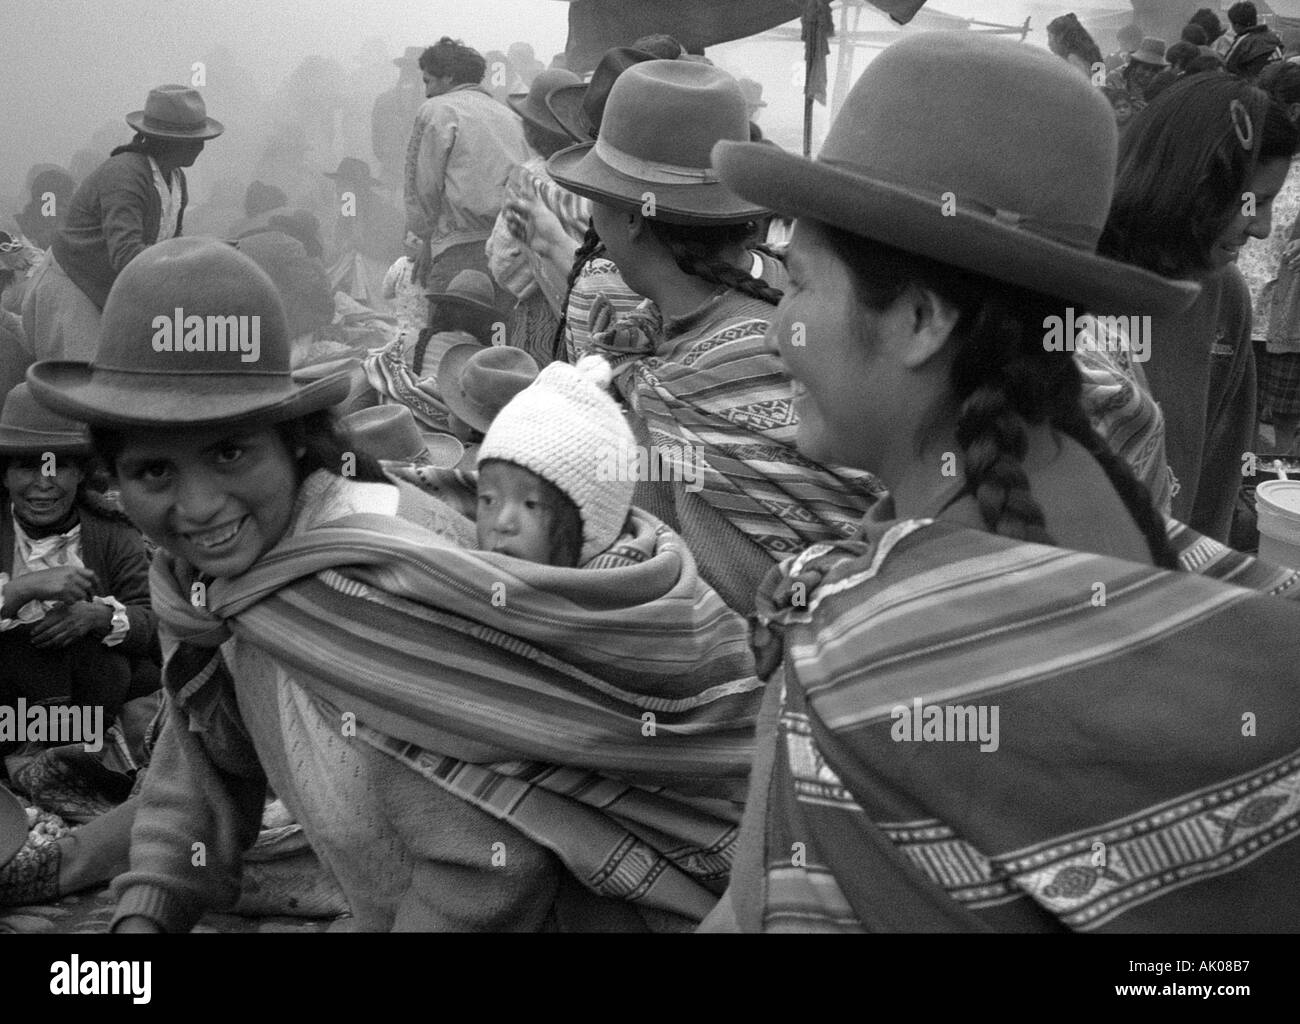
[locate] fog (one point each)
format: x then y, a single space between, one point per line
73 69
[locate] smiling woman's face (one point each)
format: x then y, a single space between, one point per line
39 497
217 499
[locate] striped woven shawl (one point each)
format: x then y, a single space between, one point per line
606 713
1144 774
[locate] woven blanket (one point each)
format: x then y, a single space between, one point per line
974 734
393 381
606 713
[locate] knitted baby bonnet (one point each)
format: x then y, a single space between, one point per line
566 428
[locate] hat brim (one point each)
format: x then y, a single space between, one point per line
565 105
580 170
538 117
14 442
107 398
445 451
1148 61
348 179
486 309
13 826
210 128
915 222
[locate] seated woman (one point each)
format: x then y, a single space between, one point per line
711 409
76 626
969 723
462 735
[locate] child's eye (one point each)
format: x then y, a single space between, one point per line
229 453
532 504
152 473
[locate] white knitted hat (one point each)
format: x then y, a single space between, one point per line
567 429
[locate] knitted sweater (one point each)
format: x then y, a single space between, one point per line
407 854
115 215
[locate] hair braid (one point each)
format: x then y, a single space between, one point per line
421 345
591 247
710 268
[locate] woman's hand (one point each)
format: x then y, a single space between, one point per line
69 623
68 583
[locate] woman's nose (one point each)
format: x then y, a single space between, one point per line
199 497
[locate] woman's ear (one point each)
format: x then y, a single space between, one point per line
930 321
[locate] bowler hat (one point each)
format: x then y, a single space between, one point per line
659 128
175 112
579 108
1006 170
13 826
26 426
470 288
1152 51
192 335
353 171
531 105
390 433
476 382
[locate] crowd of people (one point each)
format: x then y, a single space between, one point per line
645 528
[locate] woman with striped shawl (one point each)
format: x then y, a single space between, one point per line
710 405
1001 707
468 740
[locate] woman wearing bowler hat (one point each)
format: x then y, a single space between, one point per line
318 638
969 719
134 199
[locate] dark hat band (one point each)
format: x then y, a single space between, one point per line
652 170
147 123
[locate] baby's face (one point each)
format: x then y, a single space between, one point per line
514 517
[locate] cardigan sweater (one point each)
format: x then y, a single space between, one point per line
115 553
114 216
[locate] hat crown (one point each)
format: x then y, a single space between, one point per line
174 107
472 285
497 373
1018 135
193 306
386 432
546 82
673 112
24 419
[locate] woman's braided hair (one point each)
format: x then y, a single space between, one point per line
590 248
1003 378
695 249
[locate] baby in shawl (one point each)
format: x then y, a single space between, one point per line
557 469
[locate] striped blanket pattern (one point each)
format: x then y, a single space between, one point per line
387 372
719 393
608 713
1146 775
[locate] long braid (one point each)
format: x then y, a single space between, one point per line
695 251
591 247
421 345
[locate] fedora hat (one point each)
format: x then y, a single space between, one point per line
471 288
579 108
27 426
353 171
531 105
175 112
389 433
409 57
13 826
660 125
476 383
1006 170
1152 51
167 353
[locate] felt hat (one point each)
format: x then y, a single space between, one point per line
566 429
1006 170
205 370
531 105
476 383
26 426
353 171
660 125
1152 51
410 57
175 112
470 288
580 108
13 826
753 92
390 433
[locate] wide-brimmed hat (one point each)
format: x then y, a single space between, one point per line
922 162
26 427
175 112
660 125
476 383
225 362
580 108
1152 51
353 171
531 105
472 289
13 826
390 433
409 57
